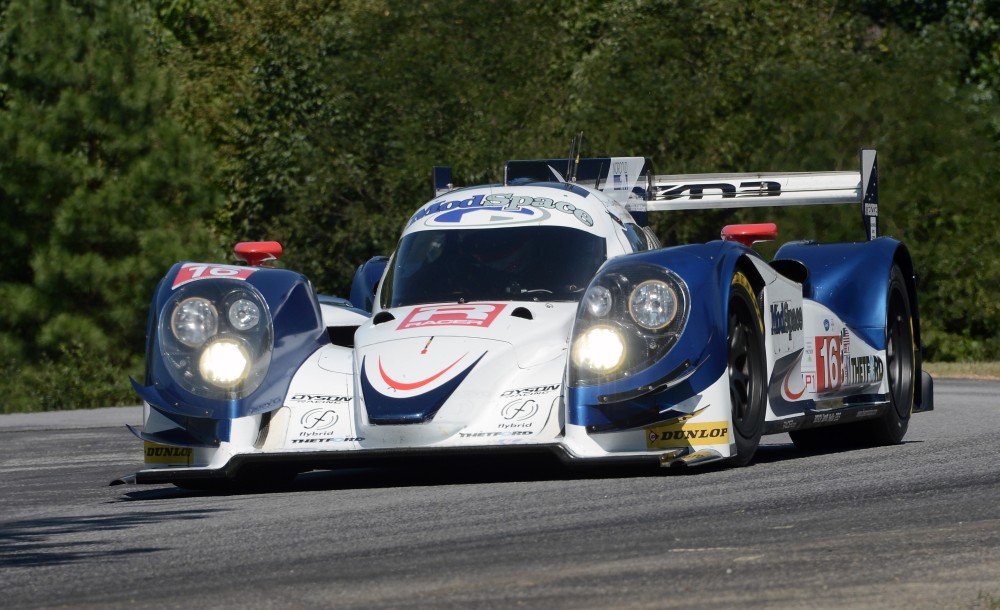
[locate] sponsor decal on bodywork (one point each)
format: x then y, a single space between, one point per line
826 418
164 454
835 367
532 391
455 210
473 314
323 424
785 319
311 399
865 370
726 190
519 410
190 272
319 419
687 435
495 434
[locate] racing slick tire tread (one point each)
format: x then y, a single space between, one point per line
746 368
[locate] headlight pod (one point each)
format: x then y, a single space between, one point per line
216 338
630 317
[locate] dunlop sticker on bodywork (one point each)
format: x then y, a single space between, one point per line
687 435
164 454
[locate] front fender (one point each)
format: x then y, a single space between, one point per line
692 365
297 331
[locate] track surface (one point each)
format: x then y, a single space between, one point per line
912 526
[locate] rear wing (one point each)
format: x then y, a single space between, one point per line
630 180
725 191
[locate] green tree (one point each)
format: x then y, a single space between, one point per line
100 190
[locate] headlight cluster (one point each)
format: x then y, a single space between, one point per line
628 319
216 338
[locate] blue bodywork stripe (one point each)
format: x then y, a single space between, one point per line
386 410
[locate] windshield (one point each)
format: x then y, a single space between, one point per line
510 264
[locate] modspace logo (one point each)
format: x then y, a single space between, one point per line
785 319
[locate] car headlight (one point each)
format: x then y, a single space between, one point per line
598 301
653 304
224 363
599 348
631 315
216 338
194 321
244 314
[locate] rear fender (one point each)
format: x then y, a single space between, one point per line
852 280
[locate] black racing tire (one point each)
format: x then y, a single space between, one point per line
900 366
746 368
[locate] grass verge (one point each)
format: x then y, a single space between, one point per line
964 370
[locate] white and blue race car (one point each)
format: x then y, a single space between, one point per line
539 316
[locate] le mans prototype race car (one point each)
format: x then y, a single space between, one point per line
541 315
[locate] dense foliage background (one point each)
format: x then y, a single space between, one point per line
134 133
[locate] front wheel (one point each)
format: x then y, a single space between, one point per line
746 368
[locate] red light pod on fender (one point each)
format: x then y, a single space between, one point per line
750 234
256 253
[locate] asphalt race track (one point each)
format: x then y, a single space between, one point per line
911 526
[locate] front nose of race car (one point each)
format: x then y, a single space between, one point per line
461 373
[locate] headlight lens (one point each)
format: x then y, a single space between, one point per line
653 304
631 316
216 338
598 301
224 363
194 321
244 314
599 348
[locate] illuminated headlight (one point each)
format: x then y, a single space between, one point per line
598 301
244 314
631 316
599 348
224 363
194 321
216 338
653 304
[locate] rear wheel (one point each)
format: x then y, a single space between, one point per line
900 366
746 369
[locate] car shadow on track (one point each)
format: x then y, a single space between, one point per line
471 471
